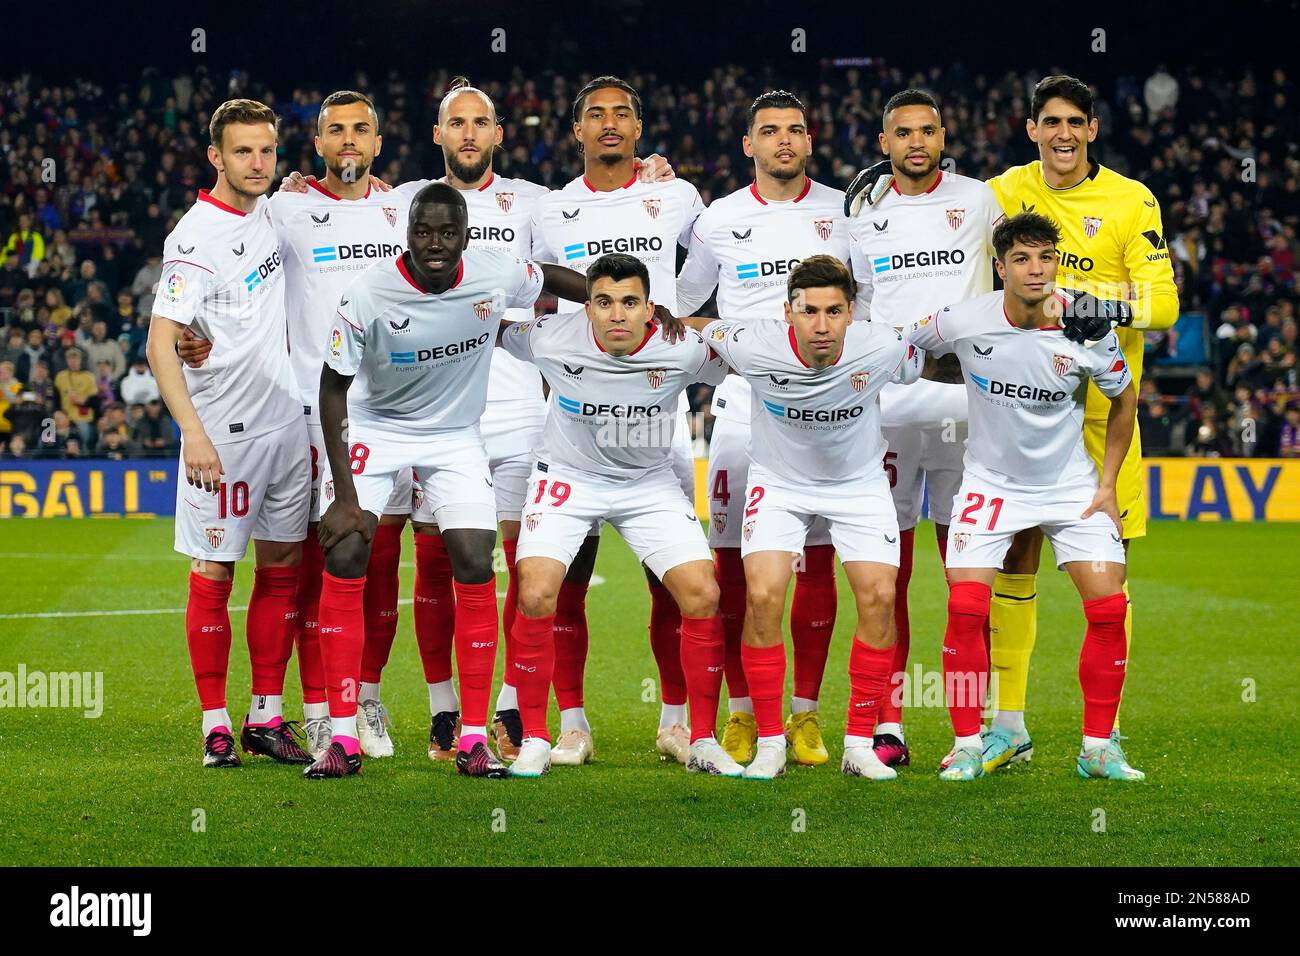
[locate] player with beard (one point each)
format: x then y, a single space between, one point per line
745 245
608 209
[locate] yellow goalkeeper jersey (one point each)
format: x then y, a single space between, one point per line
1113 245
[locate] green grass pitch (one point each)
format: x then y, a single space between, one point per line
1211 711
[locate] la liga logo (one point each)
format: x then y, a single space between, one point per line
336 342
175 285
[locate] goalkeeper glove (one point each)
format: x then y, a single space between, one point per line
1087 319
868 186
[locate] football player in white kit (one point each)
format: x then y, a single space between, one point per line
745 245
816 450
608 209
606 455
416 334
245 470
927 243
1027 467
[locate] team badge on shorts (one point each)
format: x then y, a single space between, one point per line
483 309
329 489
651 207
747 530
505 201
859 380
823 228
1061 364
1090 225
215 536
719 520
419 496
720 333
390 213
955 218
959 541
656 376
533 520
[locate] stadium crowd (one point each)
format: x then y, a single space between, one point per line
92 179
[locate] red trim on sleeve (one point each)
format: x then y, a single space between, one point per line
188 263
205 196
348 321
490 180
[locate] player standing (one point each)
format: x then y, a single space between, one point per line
1026 466
245 469
927 243
606 455
816 450
417 334
608 209
745 245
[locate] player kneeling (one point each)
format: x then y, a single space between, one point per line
606 453
1026 467
816 450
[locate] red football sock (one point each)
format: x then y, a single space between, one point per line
270 626
570 644
703 656
869 670
508 611
1102 662
965 658
476 648
381 600
891 706
666 643
207 631
310 669
812 619
765 671
342 639
435 607
729 570
532 669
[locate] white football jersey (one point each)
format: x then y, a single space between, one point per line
1025 390
223 276
578 224
326 242
421 358
745 246
815 425
612 416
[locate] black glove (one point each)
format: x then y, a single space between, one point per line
1087 319
863 187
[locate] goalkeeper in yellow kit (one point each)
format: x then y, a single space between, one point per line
1113 248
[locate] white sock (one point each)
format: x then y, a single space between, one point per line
575 718
777 741
508 699
740 705
344 726
853 740
800 705
895 729
442 697
973 741
671 714
212 719
315 711
1090 743
369 691
265 708
1012 720
472 732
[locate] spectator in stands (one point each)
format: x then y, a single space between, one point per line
1289 442
1246 369
26 243
16 448
12 279
112 446
1209 440
78 291
56 434
147 278
15 348
1243 422
105 385
100 348
77 389
1161 430
71 448
139 386
60 313
10 390
1160 93
1205 392
153 433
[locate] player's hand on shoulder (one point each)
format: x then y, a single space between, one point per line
295 182
340 519
192 349
673 328
1087 319
379 184
867 187
655 169
201 462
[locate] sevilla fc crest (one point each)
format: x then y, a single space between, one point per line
655 376
719 521
505 201
955 218
483 309
329 489
959 541
1061 364
823 227
720 333
748 530
1090 225
215 536
651 207
531 521
858 380
390 213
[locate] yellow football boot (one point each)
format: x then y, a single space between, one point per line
803 733
740 736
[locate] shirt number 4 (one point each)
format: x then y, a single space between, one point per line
974 502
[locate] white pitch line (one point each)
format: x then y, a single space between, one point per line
596 579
